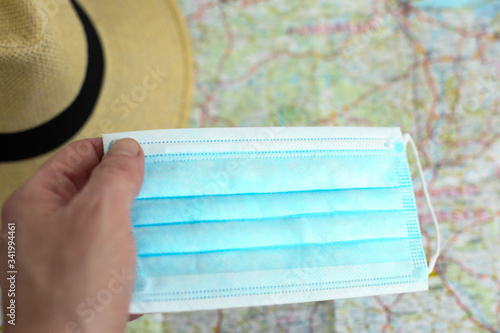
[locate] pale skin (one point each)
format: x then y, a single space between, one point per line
75 252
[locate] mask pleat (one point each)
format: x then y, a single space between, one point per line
235 235
273 258
265 206
200 175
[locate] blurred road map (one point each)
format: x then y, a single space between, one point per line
431 67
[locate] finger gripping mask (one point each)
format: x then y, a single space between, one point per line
233 217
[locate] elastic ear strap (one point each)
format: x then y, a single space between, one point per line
432 262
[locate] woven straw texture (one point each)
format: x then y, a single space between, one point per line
148 77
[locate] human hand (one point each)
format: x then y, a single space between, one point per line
74 249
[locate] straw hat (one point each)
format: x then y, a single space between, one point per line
76 69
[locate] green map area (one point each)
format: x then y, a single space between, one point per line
430 67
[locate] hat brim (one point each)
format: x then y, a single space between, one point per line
51 134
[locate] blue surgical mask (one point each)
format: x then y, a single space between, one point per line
233 217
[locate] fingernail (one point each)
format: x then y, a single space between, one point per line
127 147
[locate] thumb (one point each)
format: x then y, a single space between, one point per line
120 174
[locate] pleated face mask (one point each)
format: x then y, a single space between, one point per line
233 217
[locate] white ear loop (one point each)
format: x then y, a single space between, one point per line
432 262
